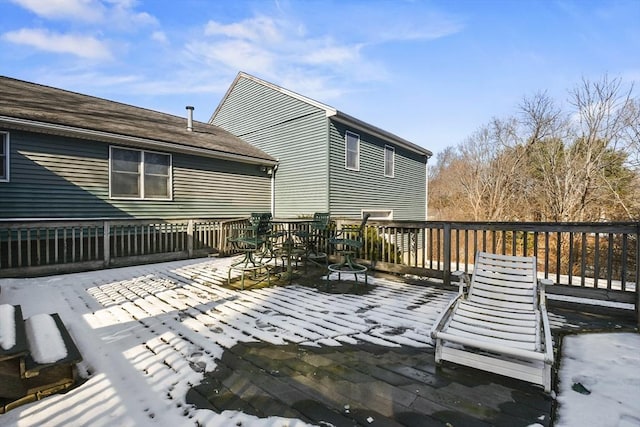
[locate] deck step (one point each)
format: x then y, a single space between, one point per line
34 368
23 379
20 347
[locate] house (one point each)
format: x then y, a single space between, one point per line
68 155
327 160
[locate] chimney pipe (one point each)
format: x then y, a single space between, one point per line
189 118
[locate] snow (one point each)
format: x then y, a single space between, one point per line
45 342
147 334
7 326
599 380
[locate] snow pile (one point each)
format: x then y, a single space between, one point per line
45 341
600 380
7 326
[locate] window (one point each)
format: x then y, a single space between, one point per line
389 161
352 151
4 156
137 174
378 214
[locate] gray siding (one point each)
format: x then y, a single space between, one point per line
368 188
57 177
292 131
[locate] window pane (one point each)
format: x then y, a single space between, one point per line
125 160
125 185
156 164
156 187
140 174
3 156
388 161
352 161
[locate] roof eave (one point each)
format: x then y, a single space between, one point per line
96 135
380 133
242 75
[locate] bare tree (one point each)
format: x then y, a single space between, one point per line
446 199
576 159
493 156
602 111
548 164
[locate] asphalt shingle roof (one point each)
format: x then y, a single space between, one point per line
43 104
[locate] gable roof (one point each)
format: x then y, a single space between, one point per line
35 107
331 112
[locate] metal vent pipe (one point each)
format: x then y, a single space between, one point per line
189 118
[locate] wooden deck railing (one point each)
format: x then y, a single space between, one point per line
585 260
30 248
592 260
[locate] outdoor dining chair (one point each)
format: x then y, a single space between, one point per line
348 241
253 242
312 238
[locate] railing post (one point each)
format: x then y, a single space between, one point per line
190 240
222 238
447 253
638 274
107 243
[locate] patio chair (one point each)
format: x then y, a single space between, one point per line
348 241
499 324
312 237
253 241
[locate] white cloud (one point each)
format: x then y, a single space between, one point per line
259 29
281 50
333 54
84 10
430 27
159 36
78 45
117 13
124 17
235 54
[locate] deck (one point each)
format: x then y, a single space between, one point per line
195 351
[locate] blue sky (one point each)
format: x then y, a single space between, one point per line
432 72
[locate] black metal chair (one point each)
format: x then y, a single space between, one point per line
312 237
348 241
253 241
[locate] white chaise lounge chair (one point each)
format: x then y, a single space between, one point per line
500 323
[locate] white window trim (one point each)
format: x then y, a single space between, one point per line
393 161
7 159
346 151
375 214
142 174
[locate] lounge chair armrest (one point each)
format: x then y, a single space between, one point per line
542 284
443 316
545 282
463 281
548 340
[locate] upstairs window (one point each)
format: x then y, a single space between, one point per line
389 161
138 174
352 151
4 156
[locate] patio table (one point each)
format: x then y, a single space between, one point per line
289 245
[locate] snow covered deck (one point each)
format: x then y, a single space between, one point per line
169 344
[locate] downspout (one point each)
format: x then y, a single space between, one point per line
327 141
273 190
426 189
